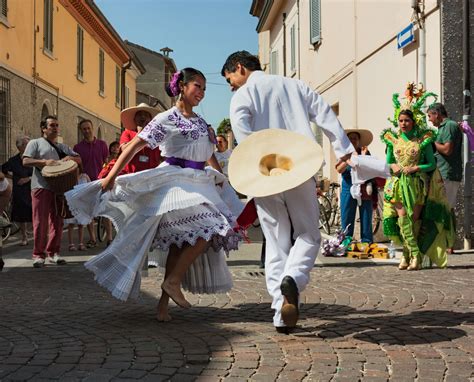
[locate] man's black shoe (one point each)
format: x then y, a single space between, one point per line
282 329
289 310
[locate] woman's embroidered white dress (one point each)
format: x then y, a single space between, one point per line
163 206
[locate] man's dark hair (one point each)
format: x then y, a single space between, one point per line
242 57
44 122
438 108
222 136
79 125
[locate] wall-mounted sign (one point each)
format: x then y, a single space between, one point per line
405 37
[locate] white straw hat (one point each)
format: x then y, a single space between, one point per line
272 161
127 115
366 136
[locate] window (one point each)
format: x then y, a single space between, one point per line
293 48
101 72
274 62
117 86
80 52
48 26
5 128
315 21
3 9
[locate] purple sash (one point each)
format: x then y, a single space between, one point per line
185 163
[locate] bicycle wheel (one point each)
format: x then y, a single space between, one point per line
324 213
101 230
6 231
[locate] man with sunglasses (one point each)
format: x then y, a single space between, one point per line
40 152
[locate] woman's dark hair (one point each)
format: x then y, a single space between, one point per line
408 113
112 144
242 57
185 76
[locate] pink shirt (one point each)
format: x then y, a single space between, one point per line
93 154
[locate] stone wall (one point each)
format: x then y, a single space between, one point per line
29 103
452 85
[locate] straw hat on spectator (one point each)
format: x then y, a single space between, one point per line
366 136
127 115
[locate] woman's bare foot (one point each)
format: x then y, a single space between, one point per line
163 315
174 291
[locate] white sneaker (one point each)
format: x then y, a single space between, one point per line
56 259
38 263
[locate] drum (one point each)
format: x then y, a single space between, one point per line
61 177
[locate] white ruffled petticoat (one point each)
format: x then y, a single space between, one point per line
155 209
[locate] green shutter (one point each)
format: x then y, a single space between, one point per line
4 8
315 21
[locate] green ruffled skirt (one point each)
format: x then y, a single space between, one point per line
437 222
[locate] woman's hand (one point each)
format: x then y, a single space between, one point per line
364 150
107 183
410 169
395 168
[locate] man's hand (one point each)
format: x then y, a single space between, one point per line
23 181
51 162
344 159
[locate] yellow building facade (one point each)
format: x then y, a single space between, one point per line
61 57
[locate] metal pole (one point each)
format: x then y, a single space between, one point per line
466 116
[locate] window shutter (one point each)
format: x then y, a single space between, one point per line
293 47
315 21
4 8
274 62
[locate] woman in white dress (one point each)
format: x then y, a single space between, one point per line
178 206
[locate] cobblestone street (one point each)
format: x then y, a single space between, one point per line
361 320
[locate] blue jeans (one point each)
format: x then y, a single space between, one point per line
348 213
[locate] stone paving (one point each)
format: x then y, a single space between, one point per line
361 321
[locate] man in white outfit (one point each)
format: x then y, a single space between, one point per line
263 101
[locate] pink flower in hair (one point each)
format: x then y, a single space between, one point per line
174 84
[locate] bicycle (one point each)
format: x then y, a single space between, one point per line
11 229
329 212
102 230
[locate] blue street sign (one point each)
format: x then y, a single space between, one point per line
405 37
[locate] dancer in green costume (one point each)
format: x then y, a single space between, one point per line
416 212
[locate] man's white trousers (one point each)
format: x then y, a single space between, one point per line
297 207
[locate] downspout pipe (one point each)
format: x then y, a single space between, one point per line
284 44
466 117
299 37
123 72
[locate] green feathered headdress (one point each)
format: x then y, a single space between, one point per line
415 97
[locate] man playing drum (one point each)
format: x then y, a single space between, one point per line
40 152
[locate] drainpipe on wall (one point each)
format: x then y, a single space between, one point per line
466 116
122 87
355 114
299 38
284 44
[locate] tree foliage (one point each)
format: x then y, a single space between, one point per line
224 126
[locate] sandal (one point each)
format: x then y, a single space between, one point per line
72 248
82 247
91 244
